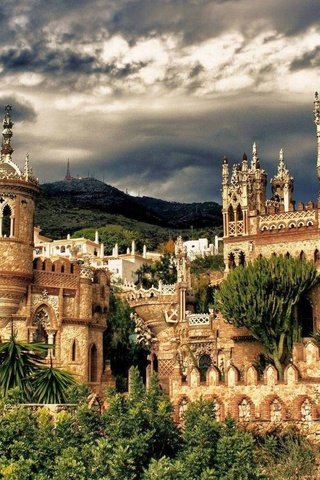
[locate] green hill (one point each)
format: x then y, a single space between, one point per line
69 206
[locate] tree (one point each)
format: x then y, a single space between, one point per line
18 362
22 366
164 269
141 423
118 345
201 436
262 295
50 385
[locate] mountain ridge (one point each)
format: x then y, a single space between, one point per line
69 205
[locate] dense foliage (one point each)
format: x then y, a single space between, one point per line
119 345
22 367
262 297
207 264
164 269
136 439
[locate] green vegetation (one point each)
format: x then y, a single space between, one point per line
117 229
262 297
121 349
164 270
22 368
206 264
87 204
136 439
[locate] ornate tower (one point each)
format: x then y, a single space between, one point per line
17 193
317 123
282 185
243 195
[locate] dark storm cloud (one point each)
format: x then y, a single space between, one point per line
162 114
202 19
307 60
22 111
186 164
39 58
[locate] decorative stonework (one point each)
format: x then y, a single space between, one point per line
86 272
40 298
203 348
199 319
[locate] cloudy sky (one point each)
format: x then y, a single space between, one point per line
150 94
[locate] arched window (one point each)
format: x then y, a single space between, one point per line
305 316
244 410
217 410
287 255
242 259
316 256
239 213
275 411
302 255
74 351
93 363
306 411
6 221
63 249
231 261
204 363
41 321
231 214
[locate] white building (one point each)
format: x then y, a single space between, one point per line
122 267
67 247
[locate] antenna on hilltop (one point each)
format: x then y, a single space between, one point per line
68 175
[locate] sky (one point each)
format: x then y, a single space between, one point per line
149 95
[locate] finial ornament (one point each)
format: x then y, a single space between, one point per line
316 112
255 160
6 148
281 156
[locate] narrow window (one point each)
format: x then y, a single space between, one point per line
6 221
73 351
93 363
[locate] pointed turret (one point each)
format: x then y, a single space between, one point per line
68 175
282 184
6 148
225 171
27 168
254 156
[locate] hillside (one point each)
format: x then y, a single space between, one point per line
65 207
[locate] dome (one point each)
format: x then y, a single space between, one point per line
8 170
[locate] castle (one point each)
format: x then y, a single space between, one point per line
200 355
62 302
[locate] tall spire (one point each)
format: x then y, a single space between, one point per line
316 112
68 175
6 148
255 159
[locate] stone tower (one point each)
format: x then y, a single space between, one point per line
243 194
18 190
282 186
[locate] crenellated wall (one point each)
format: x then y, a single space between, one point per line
254 398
